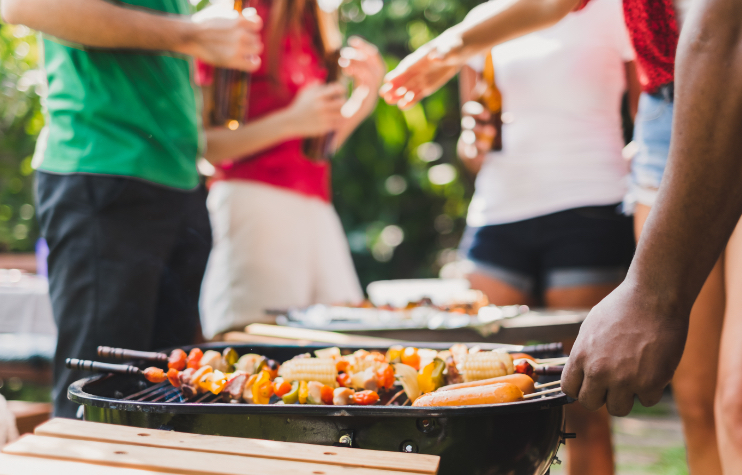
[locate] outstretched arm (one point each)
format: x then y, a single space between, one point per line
226 40
433 64
632 341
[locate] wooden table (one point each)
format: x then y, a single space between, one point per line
63 446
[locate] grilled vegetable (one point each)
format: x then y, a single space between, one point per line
365 398
177 360
292 397
230 358
330 353
344 380
431 376
394 354
327 394
173 375
248 363
491 394
247 394
213 382
281 388
385 376
411 358
194 358
407 376
262 389
485 365
310 369
154 375
303 392
213 359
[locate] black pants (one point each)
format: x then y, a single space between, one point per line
126 260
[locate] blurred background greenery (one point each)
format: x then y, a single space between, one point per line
398 188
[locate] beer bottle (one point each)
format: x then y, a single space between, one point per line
486 96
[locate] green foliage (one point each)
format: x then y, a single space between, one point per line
382 176
20 123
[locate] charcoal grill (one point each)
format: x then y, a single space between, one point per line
518 438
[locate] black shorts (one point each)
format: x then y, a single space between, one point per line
577 247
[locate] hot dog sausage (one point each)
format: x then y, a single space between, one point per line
491 394
524 383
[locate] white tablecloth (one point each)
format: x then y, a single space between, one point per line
24 304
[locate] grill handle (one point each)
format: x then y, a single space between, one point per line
87 365
124 354
543 348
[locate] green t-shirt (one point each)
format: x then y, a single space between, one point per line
125 113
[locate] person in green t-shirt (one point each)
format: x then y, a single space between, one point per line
119 200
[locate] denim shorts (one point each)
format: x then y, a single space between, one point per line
572 248
652 131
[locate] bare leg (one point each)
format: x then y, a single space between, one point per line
591 453
497 291
729 385
694 382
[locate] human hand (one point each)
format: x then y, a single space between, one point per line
477 135
363 63
315 110
223 37
424 71
630 344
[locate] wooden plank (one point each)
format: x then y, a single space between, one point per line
187 462
19 465
74 429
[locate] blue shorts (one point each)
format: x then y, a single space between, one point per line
573 248
652 131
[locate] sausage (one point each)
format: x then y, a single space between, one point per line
497 393
524 383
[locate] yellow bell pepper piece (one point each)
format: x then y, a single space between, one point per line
262 389
431 376
303 392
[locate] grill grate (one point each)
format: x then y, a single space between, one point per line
164 392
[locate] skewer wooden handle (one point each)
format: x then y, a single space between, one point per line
87 365
548 370
543 348
124 354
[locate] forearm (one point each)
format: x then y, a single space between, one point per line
97 23
223 144
495 22
701 196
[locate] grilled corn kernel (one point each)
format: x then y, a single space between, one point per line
310 369
485 365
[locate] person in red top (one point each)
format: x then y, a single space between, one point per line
278 242
631 344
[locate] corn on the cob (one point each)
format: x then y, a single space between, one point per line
322 370
485 365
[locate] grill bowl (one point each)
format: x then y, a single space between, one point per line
513 439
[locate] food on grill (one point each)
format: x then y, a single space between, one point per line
491 394
466 376
322 370
154 375
484 364
177 360
524 383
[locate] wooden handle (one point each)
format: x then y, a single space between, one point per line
87 365
533 350
124 354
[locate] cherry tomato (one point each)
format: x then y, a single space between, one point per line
281 389
173 375
154 375
342 366
365 398
326 394
343 380
194 358
177 360
411 358
385 376
272 367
